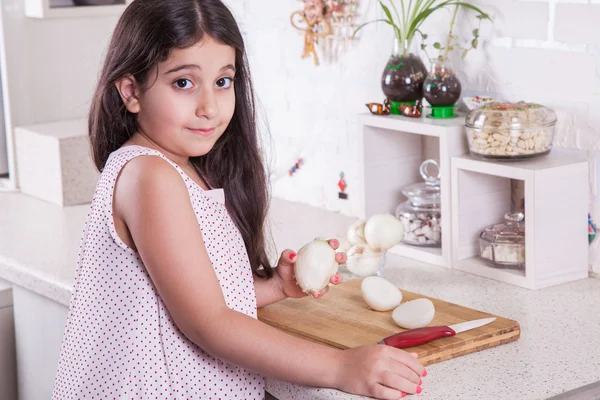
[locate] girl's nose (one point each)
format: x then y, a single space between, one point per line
207 105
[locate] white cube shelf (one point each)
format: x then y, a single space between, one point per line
54 162
556 209
393 149
48 9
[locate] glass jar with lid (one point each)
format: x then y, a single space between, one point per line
420 215
508 131
503 245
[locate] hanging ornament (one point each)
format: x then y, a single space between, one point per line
331 21
342 185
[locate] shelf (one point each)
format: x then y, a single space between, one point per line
393 149
42 9
477 266
556 207
421 126
430 255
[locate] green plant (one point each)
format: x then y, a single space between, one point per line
453 43
407 22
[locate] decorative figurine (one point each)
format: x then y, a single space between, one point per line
378 108
330 20
412 111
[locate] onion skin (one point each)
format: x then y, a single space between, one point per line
356 233
362 260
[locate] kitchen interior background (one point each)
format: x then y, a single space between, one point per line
543 51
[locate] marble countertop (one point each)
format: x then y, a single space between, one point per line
559 347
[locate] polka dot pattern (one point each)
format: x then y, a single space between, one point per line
120 341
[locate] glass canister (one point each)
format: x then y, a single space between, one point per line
503 245
505 131
420 215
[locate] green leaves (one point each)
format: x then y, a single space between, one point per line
415 12
390 19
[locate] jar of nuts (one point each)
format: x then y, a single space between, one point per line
509 131
420 215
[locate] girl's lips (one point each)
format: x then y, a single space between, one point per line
203 132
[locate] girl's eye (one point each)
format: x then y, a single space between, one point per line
224 83
183 83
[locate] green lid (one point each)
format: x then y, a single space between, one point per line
442 112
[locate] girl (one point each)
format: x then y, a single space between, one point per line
172 263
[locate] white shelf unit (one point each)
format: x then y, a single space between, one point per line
393 149
556 209
45 9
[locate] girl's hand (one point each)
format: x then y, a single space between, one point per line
379 371
284 273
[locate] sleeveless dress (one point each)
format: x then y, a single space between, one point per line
120 341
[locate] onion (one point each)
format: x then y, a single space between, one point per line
315 264
383 231
356 233
414 314
380 294
362 260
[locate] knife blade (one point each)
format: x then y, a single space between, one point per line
419 336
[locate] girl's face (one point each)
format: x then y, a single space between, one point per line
191 102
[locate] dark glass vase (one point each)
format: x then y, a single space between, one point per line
403 76
442 87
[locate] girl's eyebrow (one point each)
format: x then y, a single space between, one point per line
190 66
184 66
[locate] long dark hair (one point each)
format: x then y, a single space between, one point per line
145 35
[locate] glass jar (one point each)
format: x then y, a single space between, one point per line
503 245
506 131
420 215
442 87
403 76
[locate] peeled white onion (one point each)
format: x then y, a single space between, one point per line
380 294
356 233
414 314
362 260
383 231
315 264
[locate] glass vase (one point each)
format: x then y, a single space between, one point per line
403 76
442 87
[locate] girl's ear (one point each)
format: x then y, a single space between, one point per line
127 87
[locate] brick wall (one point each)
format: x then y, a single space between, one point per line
546 51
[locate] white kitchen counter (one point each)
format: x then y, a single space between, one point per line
559 348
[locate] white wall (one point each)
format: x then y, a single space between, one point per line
545 50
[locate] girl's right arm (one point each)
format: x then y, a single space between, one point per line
152 200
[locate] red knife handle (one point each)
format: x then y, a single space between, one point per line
419 336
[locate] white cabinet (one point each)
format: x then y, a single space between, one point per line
39 329
556 209
8 365
67 9
393 149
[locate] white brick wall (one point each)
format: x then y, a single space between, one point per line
574 23
541 50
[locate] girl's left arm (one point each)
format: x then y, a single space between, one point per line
283 284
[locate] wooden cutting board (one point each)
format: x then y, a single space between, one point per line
342 319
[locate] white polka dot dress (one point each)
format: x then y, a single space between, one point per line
120 341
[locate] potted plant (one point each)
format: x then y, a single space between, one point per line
404 74
442 87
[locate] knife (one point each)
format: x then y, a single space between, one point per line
419 336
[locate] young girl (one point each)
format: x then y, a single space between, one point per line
172 262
